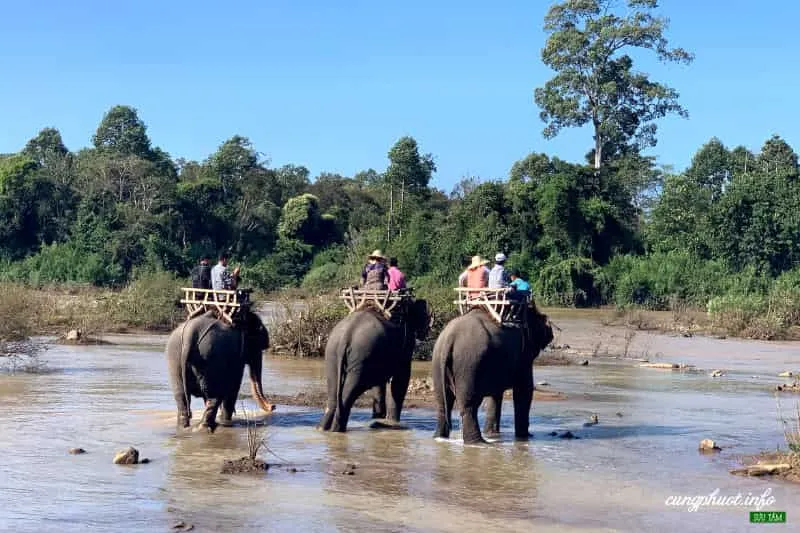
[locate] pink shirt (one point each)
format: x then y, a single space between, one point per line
397 280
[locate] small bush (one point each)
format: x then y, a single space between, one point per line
571 282
324 277
20 312
444 310
302 328
152 301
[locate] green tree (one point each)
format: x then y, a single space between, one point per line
595 82
408 173
122 132
45 145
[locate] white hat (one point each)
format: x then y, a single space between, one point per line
499 258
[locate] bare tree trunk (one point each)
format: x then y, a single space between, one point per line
598 150
391 212
402 204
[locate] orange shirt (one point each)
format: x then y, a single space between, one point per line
477 278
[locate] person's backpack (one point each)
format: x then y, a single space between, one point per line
201 277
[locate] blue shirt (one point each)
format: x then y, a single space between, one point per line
520 285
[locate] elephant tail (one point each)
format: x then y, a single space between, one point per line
340 375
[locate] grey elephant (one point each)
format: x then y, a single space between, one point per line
474 358
365 350
206 358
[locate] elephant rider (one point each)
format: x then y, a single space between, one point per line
375 274
520 289
222 279
201 277
498 276
477 275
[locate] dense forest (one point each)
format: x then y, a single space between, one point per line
613 229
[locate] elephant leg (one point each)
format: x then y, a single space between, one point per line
523 398
379 401
444 424
494 405
399 388
184 409
228 408
349 395
469 424
210 414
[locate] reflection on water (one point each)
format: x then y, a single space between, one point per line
616 477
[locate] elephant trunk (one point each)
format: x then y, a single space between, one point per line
255 383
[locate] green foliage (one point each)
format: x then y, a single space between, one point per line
572 282
595 82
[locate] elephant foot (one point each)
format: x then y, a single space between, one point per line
268 407
204 426
475 442
387 424
226 423
523 436
490 434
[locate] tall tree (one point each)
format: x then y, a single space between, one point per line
408 172
47 143
122 132
595 82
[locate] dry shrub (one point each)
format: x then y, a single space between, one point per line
20 312
150 302
791 430
302 327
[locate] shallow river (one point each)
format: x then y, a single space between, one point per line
616 477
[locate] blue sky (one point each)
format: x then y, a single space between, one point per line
332 85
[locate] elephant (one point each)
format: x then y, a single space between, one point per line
365 350
475 357
206 358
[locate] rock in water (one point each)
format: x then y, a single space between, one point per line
708 445
127 457
74 335
717 373
786 374
542 384
76 451
585 362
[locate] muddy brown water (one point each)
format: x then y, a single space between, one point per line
616 477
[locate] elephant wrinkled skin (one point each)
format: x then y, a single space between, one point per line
206 358
365 351
474 357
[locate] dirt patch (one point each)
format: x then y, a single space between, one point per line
420 395
245 465
772 465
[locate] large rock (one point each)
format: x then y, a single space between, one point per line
708 445
127 457
74 335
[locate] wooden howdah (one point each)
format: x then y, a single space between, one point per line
227 303
387 302
496 302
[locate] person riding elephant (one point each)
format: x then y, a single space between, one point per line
365 350
206 358
475 357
